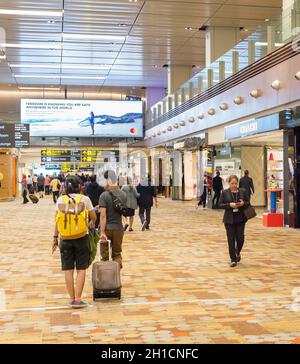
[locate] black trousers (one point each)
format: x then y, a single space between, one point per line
216 197
55 196
236 238
142 214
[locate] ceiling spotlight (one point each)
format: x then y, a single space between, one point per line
122 25
188 28
297 75
224 106
211 111
51 22
182 123
176 126
170 128
255 93
201 116
267 19
276 85
191 119
238 100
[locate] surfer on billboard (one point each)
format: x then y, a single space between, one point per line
92 122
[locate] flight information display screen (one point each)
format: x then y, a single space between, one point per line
14 135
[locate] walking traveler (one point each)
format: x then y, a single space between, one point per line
30 184
47 185
41 185
93 190
217 186
147 194
34 181
24 189
203 197
247 183
72 224
111 227
55 187
233 201
131 203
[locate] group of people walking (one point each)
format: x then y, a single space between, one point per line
99 204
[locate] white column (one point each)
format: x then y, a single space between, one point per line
251 51
191 90
221 71
271 38
176 98
235 62
200 85
170 103
210 78
177 76
182 96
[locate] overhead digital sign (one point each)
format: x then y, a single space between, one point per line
14 135
83 118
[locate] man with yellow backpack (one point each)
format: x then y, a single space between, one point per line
73 212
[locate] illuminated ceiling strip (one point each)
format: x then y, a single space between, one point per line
65 66
48 13
32 45
61 76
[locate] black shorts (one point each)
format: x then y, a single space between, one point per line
73 252
41 188
130 212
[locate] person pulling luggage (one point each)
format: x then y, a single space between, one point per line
111 227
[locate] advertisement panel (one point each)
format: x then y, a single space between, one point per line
83 118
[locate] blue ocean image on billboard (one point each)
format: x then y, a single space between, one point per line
83 118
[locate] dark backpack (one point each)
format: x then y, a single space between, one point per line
118 205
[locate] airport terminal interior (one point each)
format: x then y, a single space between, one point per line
171 128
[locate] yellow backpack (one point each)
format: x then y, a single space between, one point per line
72 218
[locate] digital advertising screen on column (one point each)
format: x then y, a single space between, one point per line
83 118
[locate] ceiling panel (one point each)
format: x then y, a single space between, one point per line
154 30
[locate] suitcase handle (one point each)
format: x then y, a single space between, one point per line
109 247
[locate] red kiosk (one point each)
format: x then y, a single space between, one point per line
272 218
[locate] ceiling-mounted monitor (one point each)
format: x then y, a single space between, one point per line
83 118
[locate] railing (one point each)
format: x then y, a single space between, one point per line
248 58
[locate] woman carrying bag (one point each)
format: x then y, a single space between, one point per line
236 203
131 203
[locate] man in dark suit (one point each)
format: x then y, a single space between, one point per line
246 182
218 188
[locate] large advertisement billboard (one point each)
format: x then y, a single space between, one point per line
83 118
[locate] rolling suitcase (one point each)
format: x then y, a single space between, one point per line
106 277
33 198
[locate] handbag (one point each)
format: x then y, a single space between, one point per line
249 212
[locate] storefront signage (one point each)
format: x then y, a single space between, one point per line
252 127
14 135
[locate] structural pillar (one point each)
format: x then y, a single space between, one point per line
251 51
219 40
191 90
271 38
178 75
221 71
182 96
235 62
170 103
210 78
176 99
200 85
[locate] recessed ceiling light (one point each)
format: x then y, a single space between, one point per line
189 28
51 21
267 19
133 1
122 25
32 12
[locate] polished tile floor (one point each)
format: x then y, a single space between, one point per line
177 284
